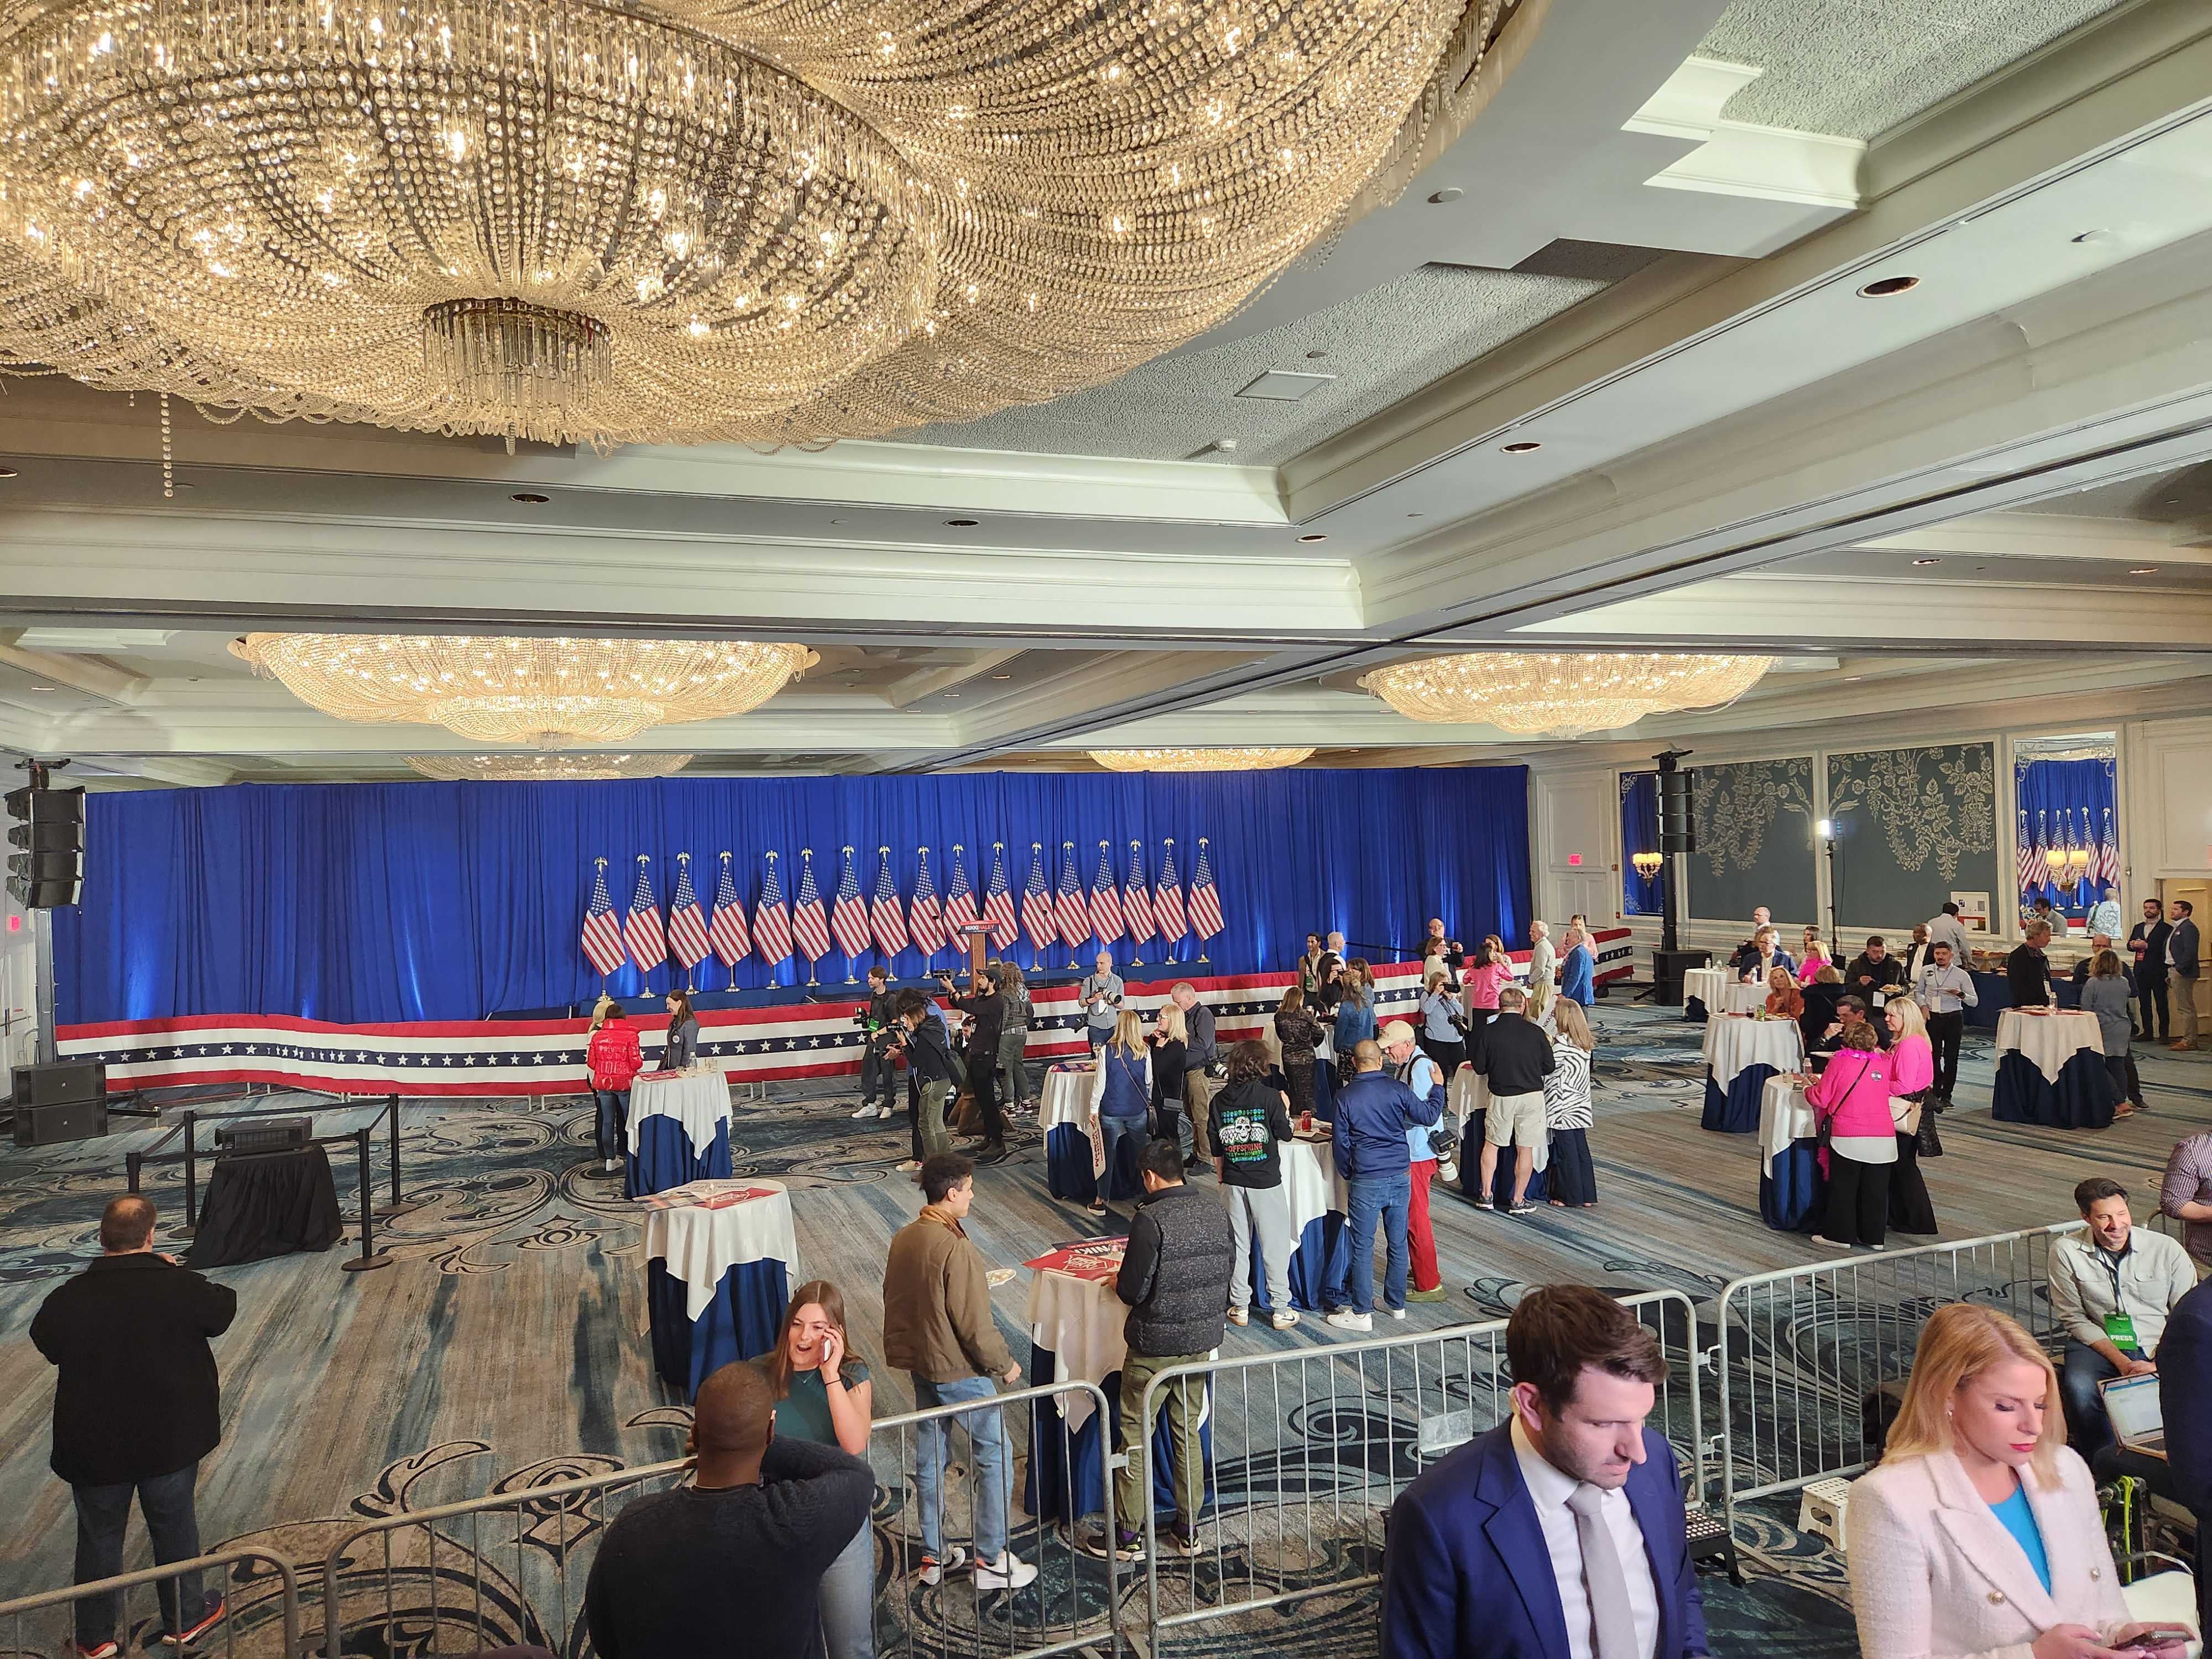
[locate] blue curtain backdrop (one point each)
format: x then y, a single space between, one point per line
376 903
2053 792
1639 832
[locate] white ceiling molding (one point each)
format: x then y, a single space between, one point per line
1735 158
89 675
2055 536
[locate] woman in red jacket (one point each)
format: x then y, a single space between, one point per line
1851 1099
614 1059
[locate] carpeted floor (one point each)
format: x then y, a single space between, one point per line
506 1348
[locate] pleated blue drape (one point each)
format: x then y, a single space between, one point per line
2053 792
375 902
1639 832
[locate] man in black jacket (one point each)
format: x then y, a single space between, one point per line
986 1018
2147 949
1175 1277
2027 970
733 1562
1875 974
930 1078
137 1406
1513 1056
875 1068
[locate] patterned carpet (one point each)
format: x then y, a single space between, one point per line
505 1351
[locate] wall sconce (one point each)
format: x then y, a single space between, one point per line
1648 865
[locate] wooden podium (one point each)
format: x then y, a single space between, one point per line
979 947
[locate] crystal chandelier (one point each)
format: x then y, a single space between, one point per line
1560 694
767 221
1197 760
541 693
545 768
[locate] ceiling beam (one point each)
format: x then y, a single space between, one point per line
906 692
2052 536
89 675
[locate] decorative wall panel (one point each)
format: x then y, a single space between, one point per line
1754 823
1912 826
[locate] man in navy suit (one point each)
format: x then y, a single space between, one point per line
1560 1534
2184 1384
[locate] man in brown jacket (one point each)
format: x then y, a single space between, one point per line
938 1328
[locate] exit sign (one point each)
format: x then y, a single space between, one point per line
1574 860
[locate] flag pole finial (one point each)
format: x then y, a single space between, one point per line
683 859
599 863
772 857
849 849
725 857
886 851
641 859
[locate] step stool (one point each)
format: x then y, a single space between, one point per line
1821 1508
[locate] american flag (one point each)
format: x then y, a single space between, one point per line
602 938
1105 903
1167 901
926 917
1204 902
1074 919
687 927
2107 864
1136 902
2026 862
726 932
886 916
848 919
1036 902
649 947
959 900
999 899
810 927
771 922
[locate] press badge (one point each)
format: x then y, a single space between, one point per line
2121 1328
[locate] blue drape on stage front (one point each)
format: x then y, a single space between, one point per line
379 903
2053 792
1639 832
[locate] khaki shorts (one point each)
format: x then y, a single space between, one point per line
1514 1121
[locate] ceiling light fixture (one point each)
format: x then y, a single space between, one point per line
530 498
7 472
1928 562
1560 694
1521 446
962 523
2144 570
569 221
541 693
1313 539
1197 760
545 768
1449 193
1884 288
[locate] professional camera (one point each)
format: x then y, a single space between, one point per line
862 1018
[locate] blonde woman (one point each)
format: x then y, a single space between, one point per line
1122 1097
1170 1038
1911 1079
1811 958
1979 1537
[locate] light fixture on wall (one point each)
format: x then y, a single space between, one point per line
1197 760
1648 865
545 768
569 221
534 693
1560 694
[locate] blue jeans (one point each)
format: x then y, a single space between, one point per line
1387 1199
848 1599
1112 1132
103 1513
2088 1428
986 1440
610 1132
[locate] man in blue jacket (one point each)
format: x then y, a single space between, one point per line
1559 1534
1373 1113
1578 968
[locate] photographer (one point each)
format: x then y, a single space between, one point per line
931 1074
875 1070
987 1020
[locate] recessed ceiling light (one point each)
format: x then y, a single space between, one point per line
1316 354
1851 678
1523 446
2170 501
1313 539
7 471
1928 562
1885 288
1002 677
952 694
1225 444
1449 193
963 524
46 688
1417 515
529 498
2144 570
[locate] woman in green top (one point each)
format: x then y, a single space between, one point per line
822 1394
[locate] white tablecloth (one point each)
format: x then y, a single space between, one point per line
1735 1040
1080 1320
2049 1040
1310 1178
1066 1097
699 1100
1706 984
700 1246
1785 1118
1470 1093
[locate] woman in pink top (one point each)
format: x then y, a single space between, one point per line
1811 958
1911 1077
1490 971
1852 1101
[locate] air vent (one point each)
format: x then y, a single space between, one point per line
1283 385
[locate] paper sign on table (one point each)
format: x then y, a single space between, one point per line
1084 1258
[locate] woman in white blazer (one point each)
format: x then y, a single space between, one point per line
1976 1484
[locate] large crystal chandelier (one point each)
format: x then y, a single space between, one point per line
543 693
1197 760
1560 694
545 768
773 220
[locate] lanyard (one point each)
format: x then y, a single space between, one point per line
2111 1265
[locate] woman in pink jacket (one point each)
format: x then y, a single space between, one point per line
1911 1077
1851 1100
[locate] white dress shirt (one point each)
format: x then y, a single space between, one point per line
1549 1488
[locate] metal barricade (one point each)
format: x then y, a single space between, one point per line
1803 1352
260 1619
501 1571
1303 1453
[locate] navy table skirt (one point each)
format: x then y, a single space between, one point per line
2082 1098
1794 1197
741 1322
1693 1008
1067 1166
1995 991
1324 1250
1501 1185
1735 1110
1064 1463
664 1157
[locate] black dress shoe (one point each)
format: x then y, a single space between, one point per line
995 1154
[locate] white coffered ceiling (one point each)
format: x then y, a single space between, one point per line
1651 268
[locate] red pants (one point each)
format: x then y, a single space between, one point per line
1421 1241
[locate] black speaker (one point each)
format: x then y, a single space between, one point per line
59 1083
69 1119
268 1134
1678 831
46 869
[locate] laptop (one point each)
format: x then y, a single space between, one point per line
2131 1403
